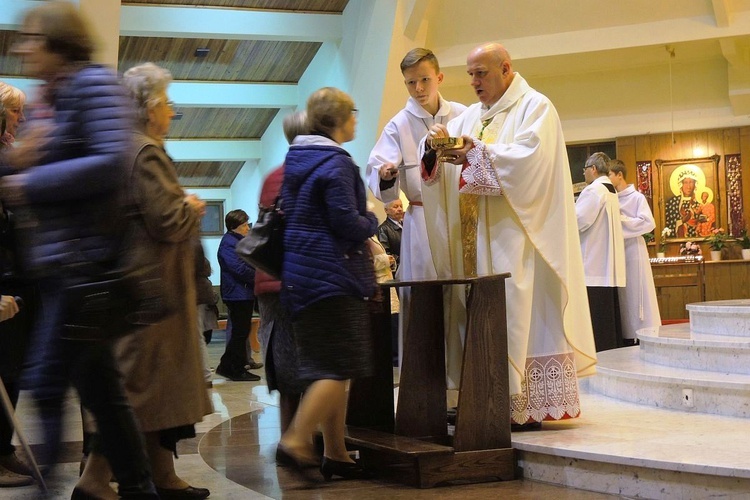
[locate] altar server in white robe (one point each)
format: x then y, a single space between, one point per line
603 249
393 165
638 305
504 203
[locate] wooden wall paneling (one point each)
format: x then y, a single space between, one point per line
626 152
290 5
715 275
728 280
675 287
730 141
744 149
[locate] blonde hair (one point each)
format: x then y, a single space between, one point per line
328 109
11 97
144 82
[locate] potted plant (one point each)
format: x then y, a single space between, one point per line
744 241
716 241
665 233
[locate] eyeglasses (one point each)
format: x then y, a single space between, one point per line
355 111
166 102
22 37
586 168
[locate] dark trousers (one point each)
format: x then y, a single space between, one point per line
6 427
605 317
90 368
241 319
14 340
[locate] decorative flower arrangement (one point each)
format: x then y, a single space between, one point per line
718 239
690 248
744 240
665 233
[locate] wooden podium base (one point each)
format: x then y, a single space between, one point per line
423 464
415 448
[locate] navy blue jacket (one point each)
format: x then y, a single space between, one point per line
74 192
327 226
237 278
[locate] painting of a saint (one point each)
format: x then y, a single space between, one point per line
685 215
707 217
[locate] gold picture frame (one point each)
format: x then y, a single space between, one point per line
689 197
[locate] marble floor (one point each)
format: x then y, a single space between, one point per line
233 456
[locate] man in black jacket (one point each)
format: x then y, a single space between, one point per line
389 232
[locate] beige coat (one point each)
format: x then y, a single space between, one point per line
162 364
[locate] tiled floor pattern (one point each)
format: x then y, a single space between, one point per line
233 456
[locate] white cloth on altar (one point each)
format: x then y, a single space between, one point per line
638 305
602 243
398 145
526 226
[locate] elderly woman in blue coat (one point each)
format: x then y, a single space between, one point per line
327 278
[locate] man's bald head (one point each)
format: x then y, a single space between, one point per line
491 71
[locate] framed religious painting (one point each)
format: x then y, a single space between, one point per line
689 197
212 224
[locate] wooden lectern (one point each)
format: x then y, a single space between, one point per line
416 447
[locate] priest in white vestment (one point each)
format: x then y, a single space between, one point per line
504 203
638 305
603 250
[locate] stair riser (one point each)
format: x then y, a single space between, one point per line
668 394
720 323
629 481
696 358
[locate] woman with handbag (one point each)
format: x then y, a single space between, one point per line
70 163
327 277
162 363
276 333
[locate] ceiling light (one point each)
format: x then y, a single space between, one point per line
202 51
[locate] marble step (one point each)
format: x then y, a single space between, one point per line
634 451
721 317
622 374
680 347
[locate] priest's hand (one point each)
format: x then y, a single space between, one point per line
457 156
388 171
8 307
437 131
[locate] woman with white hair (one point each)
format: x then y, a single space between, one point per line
162 363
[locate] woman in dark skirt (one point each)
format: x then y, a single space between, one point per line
327 278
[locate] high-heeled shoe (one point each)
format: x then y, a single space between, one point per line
347 470
79 494
286 457
189 493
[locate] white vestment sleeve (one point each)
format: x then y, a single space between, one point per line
386 150
642 223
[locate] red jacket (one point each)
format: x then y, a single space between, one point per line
271 189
